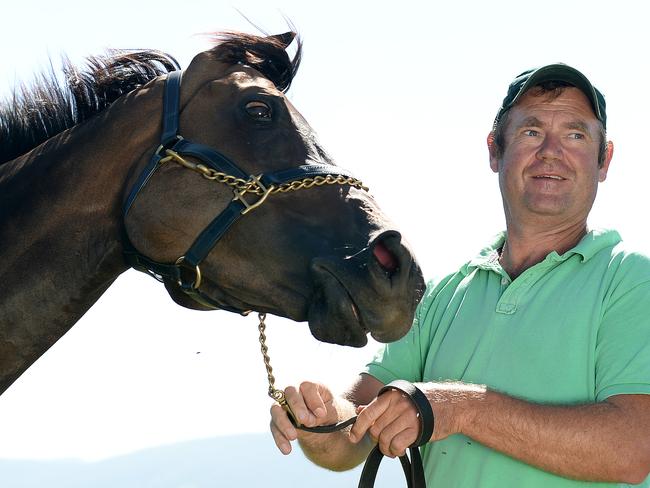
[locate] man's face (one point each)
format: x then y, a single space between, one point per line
549 167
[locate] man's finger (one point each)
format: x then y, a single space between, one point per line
368 417
297 404
280 419
397 410
280 441
282 433
397 436
402 441
315 398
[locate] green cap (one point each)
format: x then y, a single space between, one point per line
553 72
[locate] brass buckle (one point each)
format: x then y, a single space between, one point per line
171 143
239 195
197 275
279 397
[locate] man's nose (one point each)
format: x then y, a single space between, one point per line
550 148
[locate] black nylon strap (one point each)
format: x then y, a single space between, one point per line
213 232
209 302
171 104
171 107
141 182
149 266
413 468
209 156
324 429
421 404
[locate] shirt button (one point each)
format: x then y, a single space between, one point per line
504 281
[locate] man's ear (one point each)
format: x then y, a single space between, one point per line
609 154
492 151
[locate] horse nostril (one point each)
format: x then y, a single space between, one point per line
386 259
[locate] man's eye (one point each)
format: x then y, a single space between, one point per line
259 110
531 133
576 135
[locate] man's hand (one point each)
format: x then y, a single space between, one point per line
311 403
314 405
391 420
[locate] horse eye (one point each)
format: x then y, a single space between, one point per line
258 110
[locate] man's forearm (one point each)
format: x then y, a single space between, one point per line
597 442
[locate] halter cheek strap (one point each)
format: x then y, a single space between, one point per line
249 193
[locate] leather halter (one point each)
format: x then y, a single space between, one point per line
186 270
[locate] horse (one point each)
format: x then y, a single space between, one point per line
207 179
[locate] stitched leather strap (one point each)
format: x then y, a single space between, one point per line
421 404
207 239
324 429
209 156
413 469
171 107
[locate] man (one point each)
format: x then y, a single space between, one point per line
535 355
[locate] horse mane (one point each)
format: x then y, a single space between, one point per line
49 106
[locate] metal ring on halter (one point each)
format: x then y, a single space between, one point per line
197 275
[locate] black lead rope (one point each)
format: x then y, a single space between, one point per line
413 468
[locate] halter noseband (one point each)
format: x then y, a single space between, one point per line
186 271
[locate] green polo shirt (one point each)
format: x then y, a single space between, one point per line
574 328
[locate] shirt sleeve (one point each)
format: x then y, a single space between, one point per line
398 360
623 344
404 359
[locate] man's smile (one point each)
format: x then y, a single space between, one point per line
552 177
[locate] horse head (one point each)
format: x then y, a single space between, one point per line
314 249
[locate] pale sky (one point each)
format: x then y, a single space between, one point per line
401 93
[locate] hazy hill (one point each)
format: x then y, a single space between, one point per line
247 460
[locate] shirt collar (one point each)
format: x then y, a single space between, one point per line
488 257
593 242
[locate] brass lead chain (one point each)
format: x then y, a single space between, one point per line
206 172
252 185
274 393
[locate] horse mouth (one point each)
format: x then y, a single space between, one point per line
333 315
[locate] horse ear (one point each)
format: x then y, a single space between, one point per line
284 39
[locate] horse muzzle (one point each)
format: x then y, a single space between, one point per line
374 291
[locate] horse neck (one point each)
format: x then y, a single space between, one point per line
61 225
